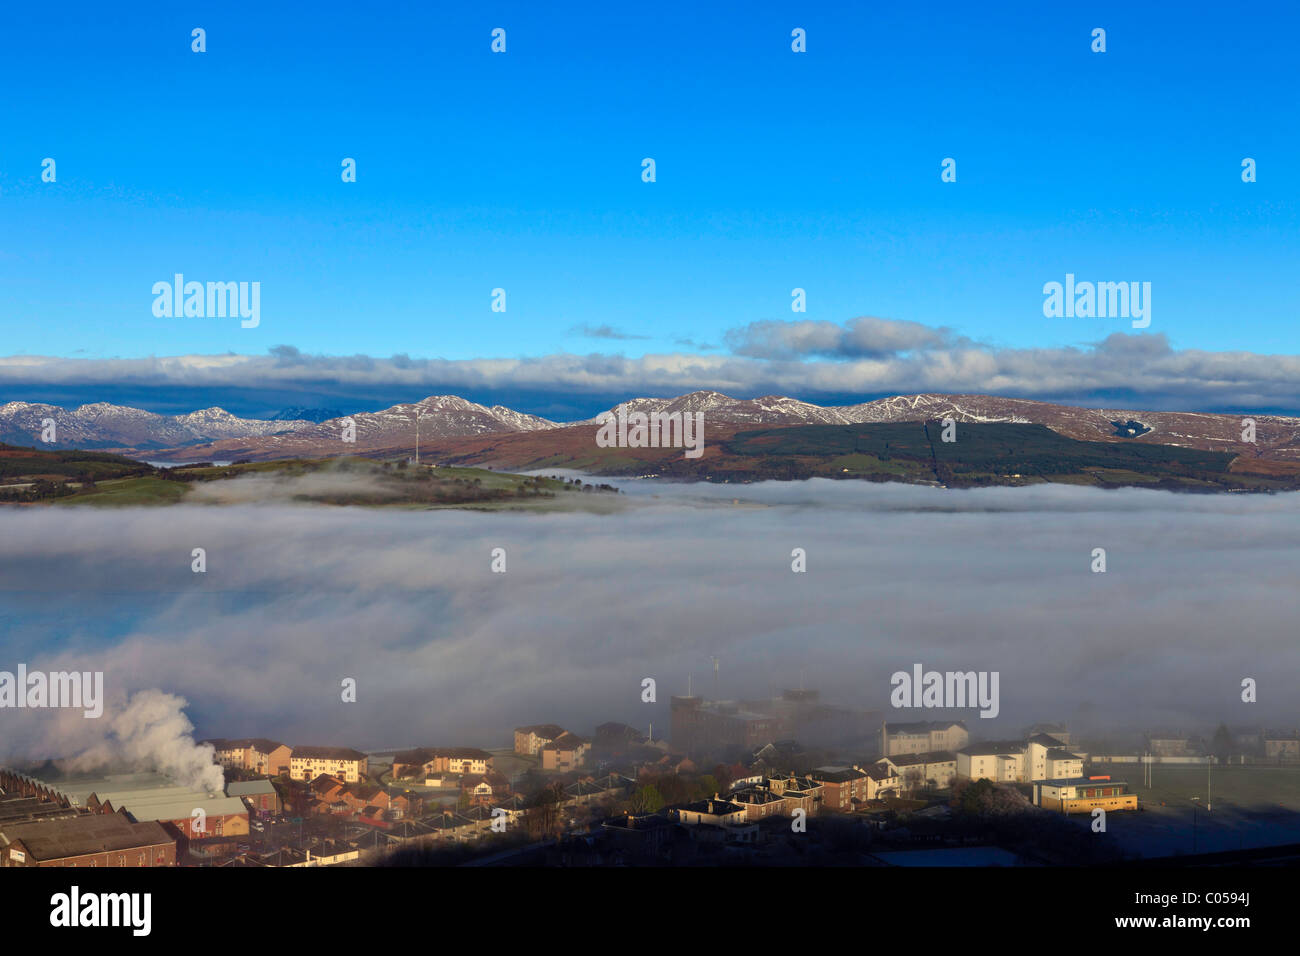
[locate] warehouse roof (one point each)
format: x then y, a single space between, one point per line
78 836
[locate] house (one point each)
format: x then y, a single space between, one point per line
530 740
564 753
268 757
307 763
485 788
1084 794
882 781
934 769
360 797
715 811
759 803
799 793
428 761
922 736
327 788
405 803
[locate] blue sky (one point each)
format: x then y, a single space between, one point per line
522 171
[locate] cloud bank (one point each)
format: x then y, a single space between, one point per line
1197 596
866 357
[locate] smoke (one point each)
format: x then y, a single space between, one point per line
152 733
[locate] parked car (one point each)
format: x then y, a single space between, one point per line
260 828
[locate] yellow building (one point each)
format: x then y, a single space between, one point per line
1084 794
308 763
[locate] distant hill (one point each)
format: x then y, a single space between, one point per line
214 434
984 453
298 414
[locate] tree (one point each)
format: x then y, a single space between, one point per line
1222 744
647 799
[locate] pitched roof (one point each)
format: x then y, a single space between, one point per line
913 760
924 726
90 833
328 753
260 744
993 748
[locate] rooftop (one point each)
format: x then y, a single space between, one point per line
91 833
327 753
146 796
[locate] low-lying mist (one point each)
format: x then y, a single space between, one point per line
1198 595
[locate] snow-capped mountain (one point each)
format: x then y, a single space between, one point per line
214 433
101 425
723 409
441 416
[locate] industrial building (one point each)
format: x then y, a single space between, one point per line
91 839
145 797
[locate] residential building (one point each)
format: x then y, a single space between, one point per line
267 757
759 803
882 781
347 764
564 753
843 788
922 736
1282 745
530 740
932 769
1046 758
428 761
799 793
1040 758
999 761
715 811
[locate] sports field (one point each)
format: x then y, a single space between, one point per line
1251 807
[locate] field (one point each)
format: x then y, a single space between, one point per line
1252 807
77 478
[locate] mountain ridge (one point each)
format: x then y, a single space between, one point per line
214 433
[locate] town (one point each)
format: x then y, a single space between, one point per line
732 784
